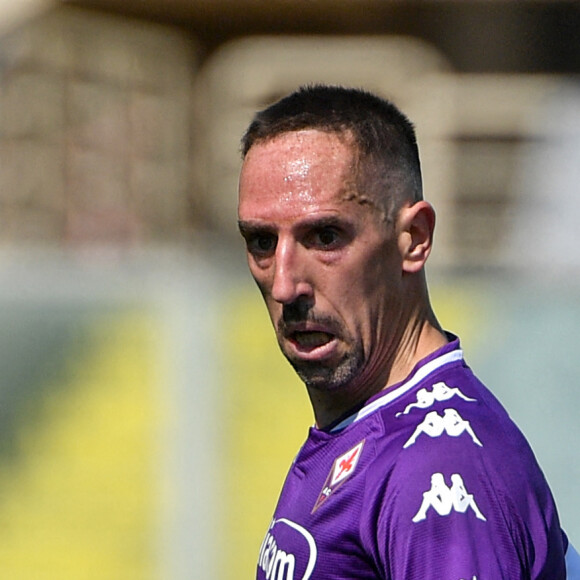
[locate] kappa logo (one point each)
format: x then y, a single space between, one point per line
451 422
342 468
445 499
439 392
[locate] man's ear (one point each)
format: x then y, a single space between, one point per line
416 226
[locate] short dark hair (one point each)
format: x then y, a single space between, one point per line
384 137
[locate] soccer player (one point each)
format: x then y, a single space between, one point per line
413 470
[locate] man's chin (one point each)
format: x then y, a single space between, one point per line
325 377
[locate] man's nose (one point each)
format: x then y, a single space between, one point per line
290 280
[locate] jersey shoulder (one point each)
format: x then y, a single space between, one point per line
460 477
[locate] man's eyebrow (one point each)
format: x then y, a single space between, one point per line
249 227
321 222
324 221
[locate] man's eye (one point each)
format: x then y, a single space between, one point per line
261 244
327 237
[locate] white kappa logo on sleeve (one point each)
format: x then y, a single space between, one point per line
451 422
445 499
439 392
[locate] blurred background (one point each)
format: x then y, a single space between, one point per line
146 418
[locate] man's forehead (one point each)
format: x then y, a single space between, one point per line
301 163
315 144
303 172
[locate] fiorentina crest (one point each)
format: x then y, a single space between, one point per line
342 468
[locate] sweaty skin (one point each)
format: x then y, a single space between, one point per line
344 289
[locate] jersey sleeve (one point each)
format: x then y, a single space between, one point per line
450 509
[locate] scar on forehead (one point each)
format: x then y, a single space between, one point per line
352 185
383 212
360 198
352 192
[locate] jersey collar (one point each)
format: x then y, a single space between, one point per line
450 353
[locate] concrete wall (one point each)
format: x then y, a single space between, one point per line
94 130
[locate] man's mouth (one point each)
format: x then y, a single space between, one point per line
311 339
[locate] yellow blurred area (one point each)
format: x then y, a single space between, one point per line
78 502
464 308
267 418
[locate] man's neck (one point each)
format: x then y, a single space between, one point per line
414 349
416 344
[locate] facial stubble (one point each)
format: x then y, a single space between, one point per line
326 375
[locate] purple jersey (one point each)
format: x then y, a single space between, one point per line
430 480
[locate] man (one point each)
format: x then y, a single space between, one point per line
413 470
